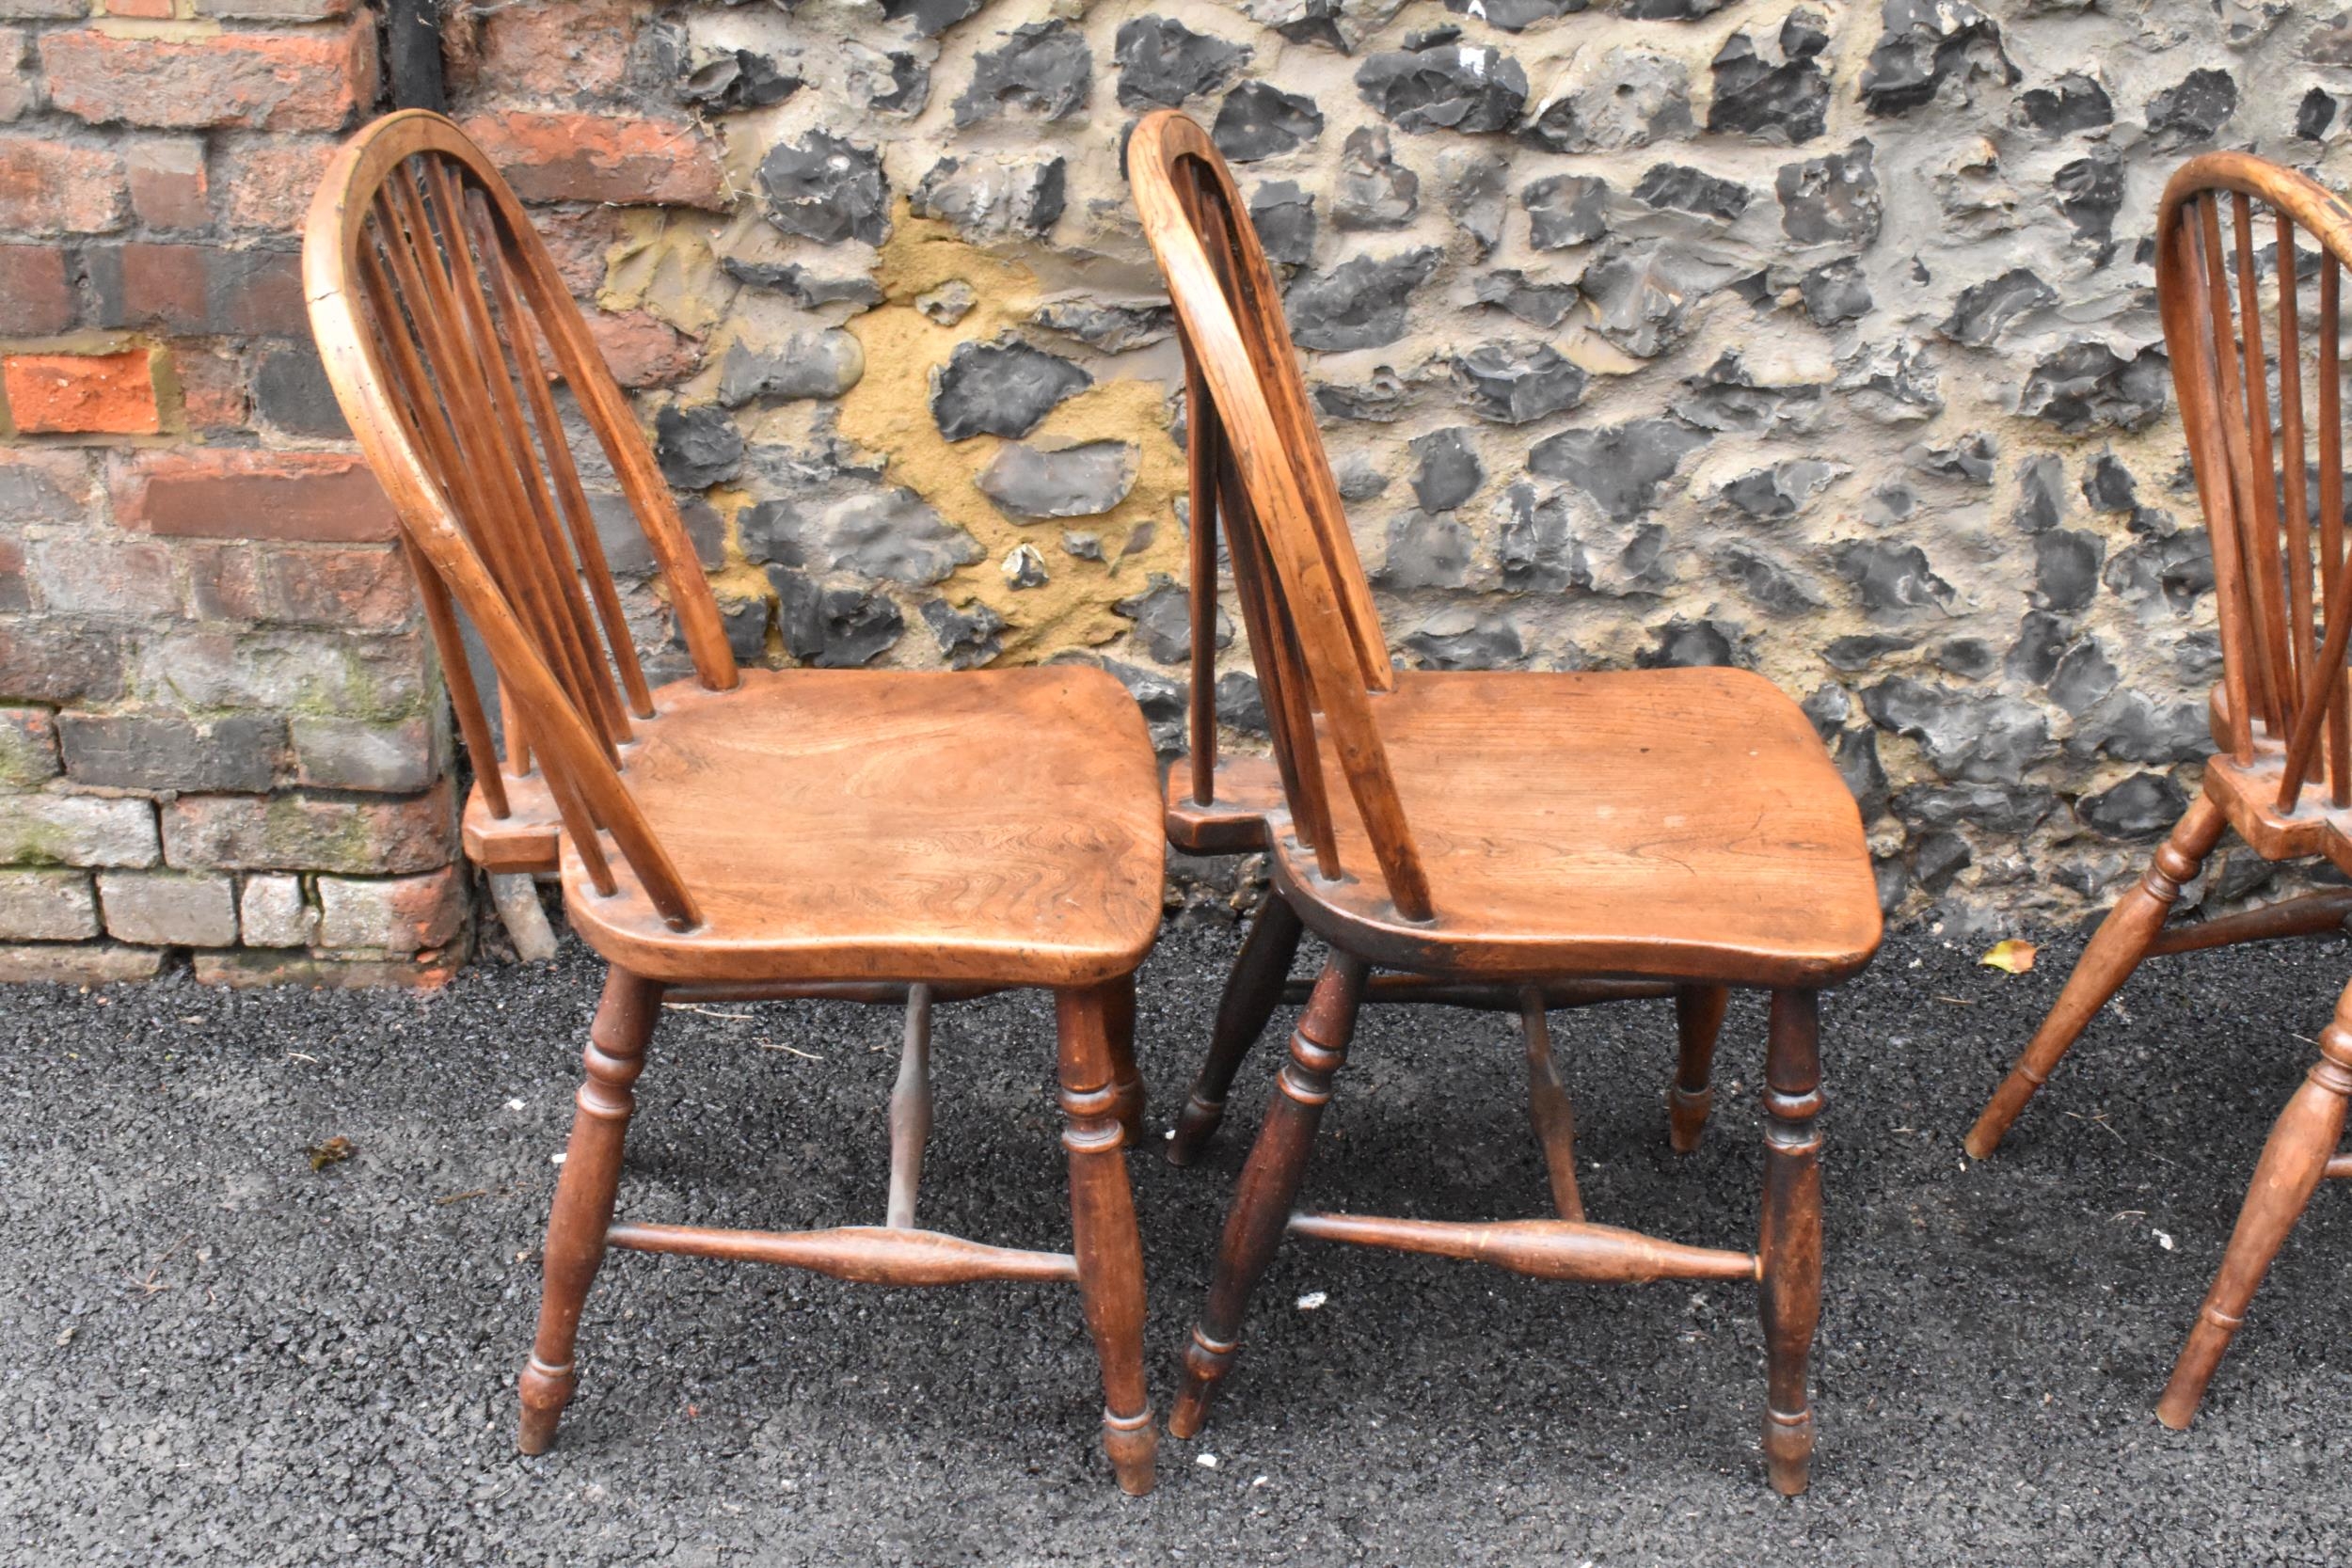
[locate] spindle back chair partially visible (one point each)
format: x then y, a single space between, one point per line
746 833
2249 276
1544 838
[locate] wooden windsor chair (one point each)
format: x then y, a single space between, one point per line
744 833
1483 835
2281 716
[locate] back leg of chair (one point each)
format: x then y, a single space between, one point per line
1698 1019
1119 1024
583 1196
1250 994
1269 1185
2121 941
1789 1249
2292 1162
1103 1223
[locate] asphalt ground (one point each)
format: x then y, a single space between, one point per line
210 1353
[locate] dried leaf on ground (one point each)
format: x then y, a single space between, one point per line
2014 955
332 1152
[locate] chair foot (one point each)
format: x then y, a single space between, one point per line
1789 1452
2116 949
1206 1363
1698 1019
1132 1443
1251 991
544 1390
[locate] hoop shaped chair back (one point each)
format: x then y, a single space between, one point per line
2236 293
443 322
1256 465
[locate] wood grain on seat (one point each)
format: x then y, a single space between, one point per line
996 826
1682 823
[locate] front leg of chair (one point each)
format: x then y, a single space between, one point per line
584 1197
2121 941
1269 1183
1698 1019
1790 1249
1250 994
1102 1224
2292 1165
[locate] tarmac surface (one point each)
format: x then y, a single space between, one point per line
211 1353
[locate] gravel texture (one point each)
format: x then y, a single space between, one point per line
210 1352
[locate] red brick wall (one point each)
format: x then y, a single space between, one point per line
219 718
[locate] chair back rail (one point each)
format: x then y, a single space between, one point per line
1257 465
2283 590
441 320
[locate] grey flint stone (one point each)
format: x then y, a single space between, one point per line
1513 382
806 365
1927 44
1538 551
1044 69
1072 481
1240 704
1769 83
1258 120
893 534
696 447
1831 199
1161 699
1162 62
2141 806
1892 578
730 79
826 189
1783 490
1444 84
1477 194
2089 192
1836 291
1968 735
931 17
1459 638
1703 644
2066 568
832 626
902 85
1984 311
968 638
1725 396
1641 291
2040 493
2174 572
1000 389
2087 386
1545 305
1622 468
1108 328
2193 111
2083 678
1676 187
1425 553
1567 210
1284 216
1515 16
1635 98
947 303
1374 191
993 199
1379 400
1361 303
1852 654
1163 617
1446 469
808 290
2069 103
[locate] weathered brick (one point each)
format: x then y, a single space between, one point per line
150 10
168 184
47 906
60 662
38 486
368 588
274 10
28 746
266 182
104 578
289 388
36 296
601 157
76 829
196 289
168 909
246 966
16 593
80 964
224 582
352 754
127 750
252 495
272 912
44 11
296 832
556 48
82 394
52 187
580 239
401 914
200 669
212 386
293 80
641 349
17 91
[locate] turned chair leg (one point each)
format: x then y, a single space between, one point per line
1698 1019
1103 1223
1250 994
1269 1183
584 1197
2121 941
1119 1023
1790 1250
2292 1162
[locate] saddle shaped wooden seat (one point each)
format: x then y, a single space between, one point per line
1504 839
886 836
989 826
2282 714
